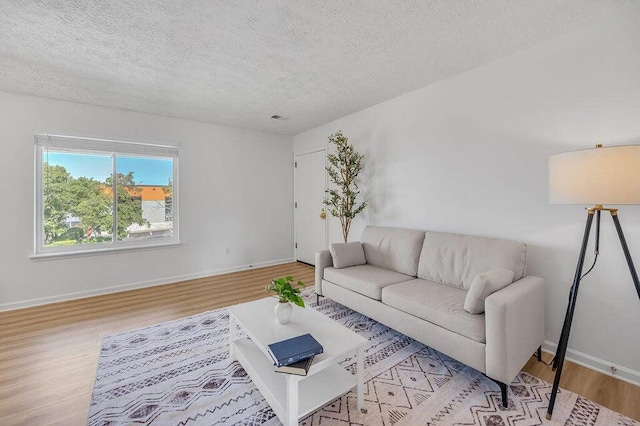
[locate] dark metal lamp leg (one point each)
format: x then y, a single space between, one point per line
625 249
566 328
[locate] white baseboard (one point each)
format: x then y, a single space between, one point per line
132 286
600 365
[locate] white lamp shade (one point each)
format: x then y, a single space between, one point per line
609 175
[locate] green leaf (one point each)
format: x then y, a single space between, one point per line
297 300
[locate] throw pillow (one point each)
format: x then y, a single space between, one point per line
347 254
483 285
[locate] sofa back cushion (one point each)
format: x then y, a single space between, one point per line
396 249
455 260
345 255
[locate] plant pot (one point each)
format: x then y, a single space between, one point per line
283 312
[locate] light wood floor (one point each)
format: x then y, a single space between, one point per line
48 354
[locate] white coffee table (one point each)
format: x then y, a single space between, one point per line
290 396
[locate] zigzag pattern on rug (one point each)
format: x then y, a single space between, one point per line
179 373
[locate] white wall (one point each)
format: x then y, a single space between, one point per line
469 155
236 191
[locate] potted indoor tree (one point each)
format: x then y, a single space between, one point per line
288 291
343 170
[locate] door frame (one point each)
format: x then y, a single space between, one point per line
295 186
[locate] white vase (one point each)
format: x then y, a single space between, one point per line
283 312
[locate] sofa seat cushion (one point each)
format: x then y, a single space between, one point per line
367 280
439 304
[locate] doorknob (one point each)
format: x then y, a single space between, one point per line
323 214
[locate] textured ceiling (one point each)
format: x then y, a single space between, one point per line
237 62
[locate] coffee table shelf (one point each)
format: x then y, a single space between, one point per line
314 391
293 397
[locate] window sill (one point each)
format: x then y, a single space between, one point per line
99 252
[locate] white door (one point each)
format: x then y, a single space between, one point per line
309 183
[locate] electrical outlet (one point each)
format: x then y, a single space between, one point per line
613 369
227 251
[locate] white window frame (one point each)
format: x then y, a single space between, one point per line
43 142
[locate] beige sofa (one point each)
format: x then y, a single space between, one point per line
426 284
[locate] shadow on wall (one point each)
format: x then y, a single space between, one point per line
374 175
551 263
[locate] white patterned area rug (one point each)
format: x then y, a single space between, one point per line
179 373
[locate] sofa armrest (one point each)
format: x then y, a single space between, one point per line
514 318
323 260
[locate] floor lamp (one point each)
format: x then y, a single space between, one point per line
596 177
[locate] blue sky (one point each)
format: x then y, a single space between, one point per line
147 171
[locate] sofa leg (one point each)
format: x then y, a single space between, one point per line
503 390
539 353
318 296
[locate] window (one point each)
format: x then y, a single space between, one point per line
94 195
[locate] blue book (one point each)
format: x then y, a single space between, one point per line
295 349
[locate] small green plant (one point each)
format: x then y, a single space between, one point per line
287 290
